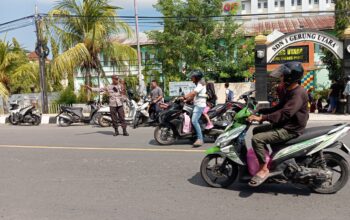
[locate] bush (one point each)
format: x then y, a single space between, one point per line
322 94
67 96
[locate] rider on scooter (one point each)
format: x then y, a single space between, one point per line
288 119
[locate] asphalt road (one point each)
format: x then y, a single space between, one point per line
83 172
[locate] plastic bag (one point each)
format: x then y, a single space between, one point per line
187 127
253 163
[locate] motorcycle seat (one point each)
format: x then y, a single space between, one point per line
310 133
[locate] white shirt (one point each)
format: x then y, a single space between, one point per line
200 99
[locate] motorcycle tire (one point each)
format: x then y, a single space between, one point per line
169 139
136 121
103 122
11 121
215 171
95 119
37 120
62 122
333 159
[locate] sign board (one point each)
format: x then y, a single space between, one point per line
293 53
180 88
324 39
231 7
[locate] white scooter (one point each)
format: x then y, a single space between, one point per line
25 115
130 108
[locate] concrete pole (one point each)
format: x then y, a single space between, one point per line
140 75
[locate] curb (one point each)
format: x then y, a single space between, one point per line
45 119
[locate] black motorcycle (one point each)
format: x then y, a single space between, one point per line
171 122
26 115
70 115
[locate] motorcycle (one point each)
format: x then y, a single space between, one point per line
171 122
309 159
130 108
70 115
25 115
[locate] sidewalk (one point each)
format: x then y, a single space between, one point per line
329 117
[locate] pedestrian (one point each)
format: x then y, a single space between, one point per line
156 98
333 96
229 93
116 100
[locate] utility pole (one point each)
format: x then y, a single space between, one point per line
42 51
140 75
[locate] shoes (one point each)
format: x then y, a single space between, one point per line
209 126
125 133
116 133
198 143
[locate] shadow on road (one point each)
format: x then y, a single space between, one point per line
109 133
247 191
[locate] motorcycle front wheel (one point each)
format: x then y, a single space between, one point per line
136 122
217 171
11 120
340 174
64 122
103 122
164 135
95 119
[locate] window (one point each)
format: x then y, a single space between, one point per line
282 3
310 2
327 1
276 3
243 7
293 2
265 4
333 1
316 2
299 2
259 5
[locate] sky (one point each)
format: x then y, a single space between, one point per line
14 9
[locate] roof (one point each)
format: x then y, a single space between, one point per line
124 39
33 56
288 25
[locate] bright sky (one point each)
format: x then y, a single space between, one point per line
14 9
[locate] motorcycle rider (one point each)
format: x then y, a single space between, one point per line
199 96
288 119
116 95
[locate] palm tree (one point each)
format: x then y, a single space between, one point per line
84 30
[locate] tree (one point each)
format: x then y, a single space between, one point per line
84 31
195 36
334 65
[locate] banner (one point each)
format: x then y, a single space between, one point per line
180 88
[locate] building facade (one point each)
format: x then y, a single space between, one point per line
246 7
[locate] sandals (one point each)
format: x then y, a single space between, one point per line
257 180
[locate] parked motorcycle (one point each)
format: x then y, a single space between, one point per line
26 115
309 159
70 115
106 120
171 122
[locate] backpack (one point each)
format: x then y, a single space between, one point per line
230 96
211 93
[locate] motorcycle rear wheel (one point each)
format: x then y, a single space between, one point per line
37 120
334 163
213 174
164 135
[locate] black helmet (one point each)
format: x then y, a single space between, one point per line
292 72
196 74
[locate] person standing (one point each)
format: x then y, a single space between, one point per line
333 96
346 93
156 98
229 93
116 99
199 95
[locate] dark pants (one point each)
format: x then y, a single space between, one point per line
267 134
154 110
118 115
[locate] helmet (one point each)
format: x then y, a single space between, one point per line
196 74
292 72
